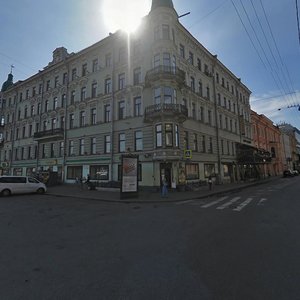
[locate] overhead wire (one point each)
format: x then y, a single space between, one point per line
262 48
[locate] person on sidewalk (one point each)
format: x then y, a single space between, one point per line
164 190
210 182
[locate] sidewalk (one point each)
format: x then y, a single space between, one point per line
74 191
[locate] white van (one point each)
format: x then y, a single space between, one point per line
20 185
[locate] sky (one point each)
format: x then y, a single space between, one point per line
257 40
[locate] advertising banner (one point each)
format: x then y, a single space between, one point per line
129 182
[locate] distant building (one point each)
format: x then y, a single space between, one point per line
163 96
267 141
291 146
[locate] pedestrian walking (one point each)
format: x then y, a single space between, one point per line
210 182
164 191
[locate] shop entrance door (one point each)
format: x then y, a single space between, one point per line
166 171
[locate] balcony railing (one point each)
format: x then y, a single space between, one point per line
165 72
166 109
57 133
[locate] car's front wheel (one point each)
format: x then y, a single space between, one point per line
40 191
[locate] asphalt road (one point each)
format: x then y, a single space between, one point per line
236 246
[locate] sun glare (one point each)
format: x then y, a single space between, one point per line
124 14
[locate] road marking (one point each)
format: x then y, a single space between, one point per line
214 202
184 202
261 201
243 204
228 203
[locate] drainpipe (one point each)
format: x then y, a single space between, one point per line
112 115
216 120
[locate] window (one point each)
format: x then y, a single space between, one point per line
166 61
195 143
209 117
192 171
186 140
192 83
108 60
220 121
222 146
121 81
169 135
137 76
71 148
74 172
137 106
94 90
176 136
23 132
158 135
33 91
207 93
65 78
165 32
37 127
191 58
225 102
20 97
62 122
217 77
82 119
138 145
122 142
156 60
39 108
43 151
157 95
210 149
194 111
219 99
84 70
199 64
107 88
63 100
55 103
121 109
27 94
46 105
56 81
203 144
181 51
95 65
93 145
48 85
93 116
100 172
71 120
107 144
168 92
230 124
83 93
107 117
74 74
72 99
40 88
226 123
200 88
209 170
29 153
30 130
25 112
81 146
53 123
52 150
61 148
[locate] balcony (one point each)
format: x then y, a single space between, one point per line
176 112
52 134
165 72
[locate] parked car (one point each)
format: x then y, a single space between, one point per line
288 173
20 185
295 172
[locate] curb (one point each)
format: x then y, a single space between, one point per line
133 200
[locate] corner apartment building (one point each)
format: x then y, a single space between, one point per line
157 93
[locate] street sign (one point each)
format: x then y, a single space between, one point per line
188 154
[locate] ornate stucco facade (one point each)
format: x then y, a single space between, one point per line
156 94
